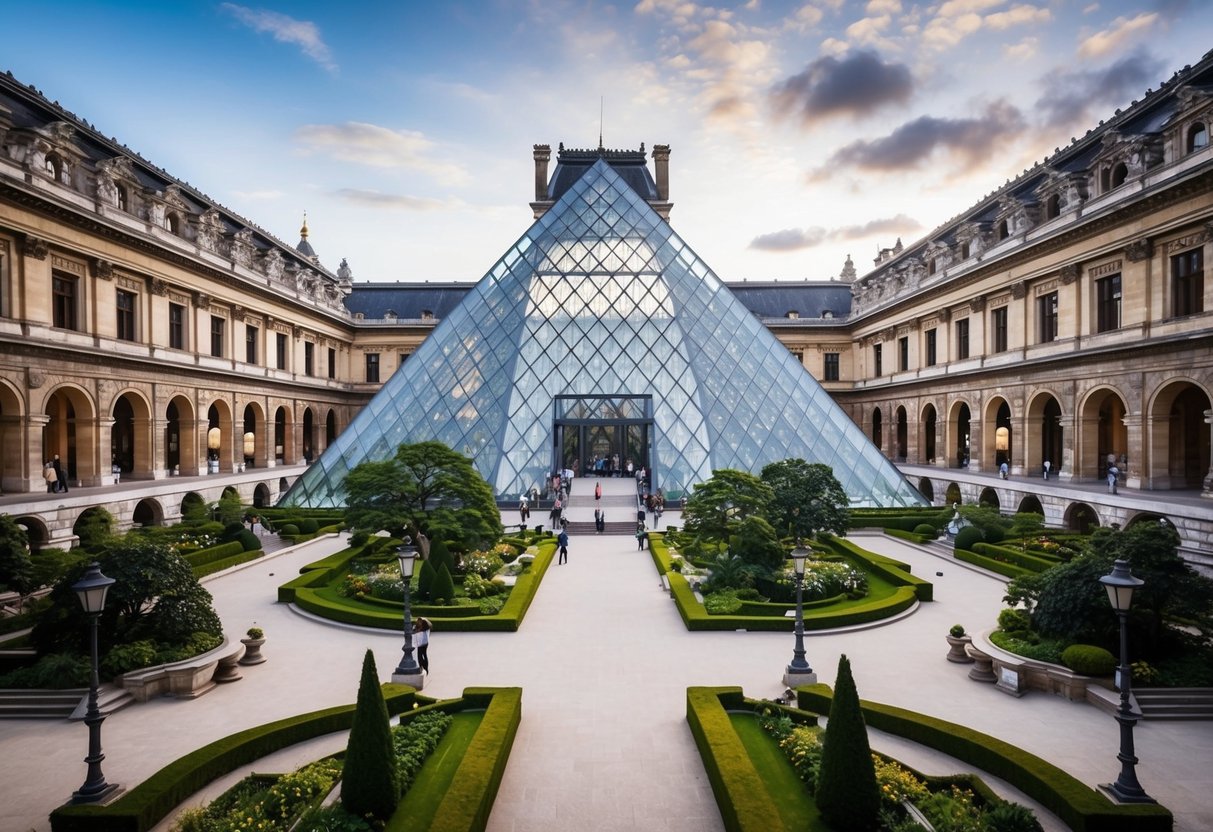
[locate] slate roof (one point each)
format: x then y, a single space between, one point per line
629 164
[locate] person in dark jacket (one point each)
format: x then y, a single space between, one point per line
60 474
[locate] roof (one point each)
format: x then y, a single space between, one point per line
629 164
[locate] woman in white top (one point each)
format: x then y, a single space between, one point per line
421 640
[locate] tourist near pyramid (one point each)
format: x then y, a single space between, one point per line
600 332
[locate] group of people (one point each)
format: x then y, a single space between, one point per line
55 476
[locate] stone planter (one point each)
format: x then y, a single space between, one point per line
956 649
252 651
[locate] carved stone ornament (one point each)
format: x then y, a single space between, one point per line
977 304
37 378
241 249
103 269
35 247
1069 273
159 287
272 265
1139 250
1019 290
210 230
203 300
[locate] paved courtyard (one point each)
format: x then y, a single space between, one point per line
604 661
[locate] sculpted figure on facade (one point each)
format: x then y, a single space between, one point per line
210 230
240 247
271 264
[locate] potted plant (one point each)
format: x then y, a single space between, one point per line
957 642
252 646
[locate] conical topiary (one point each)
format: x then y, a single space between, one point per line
847 793
443 588
440 555
368 782
425 580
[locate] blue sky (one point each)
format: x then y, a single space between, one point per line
800 132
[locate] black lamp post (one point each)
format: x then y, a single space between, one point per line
799 670
92 589
407 555
1120 585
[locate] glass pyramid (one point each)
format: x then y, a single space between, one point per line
600 308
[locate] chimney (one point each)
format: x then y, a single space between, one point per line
543 154
661 163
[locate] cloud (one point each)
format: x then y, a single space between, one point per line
1018 16
402 202
1021 51
380 147
1114 38
854 85
794 239
955 20
879 7
1071 97
968 140
285 29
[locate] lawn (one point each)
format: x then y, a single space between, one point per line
791 799
419 806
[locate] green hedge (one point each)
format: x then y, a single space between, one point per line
219 565
893 571
741 794
204 556
145 805
1014 556
1082 808
1010 570
469 799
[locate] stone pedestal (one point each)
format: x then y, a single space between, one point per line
983 667
792 680
252 651
956 649
416 680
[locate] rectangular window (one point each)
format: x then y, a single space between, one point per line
65 300
831 366
932 354
251 334
176 326
280 340
125 306
372 367
903 353
1046 317
217 325
878 360
998 329
962 339
1188 283
1107 303
332 363
309 358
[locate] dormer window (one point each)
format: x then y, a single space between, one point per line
172 223
931 266
1053 207
53 166
1119 174
427 314
1198 137
390 314
1003 231
122 199
964 251
827 313
792 313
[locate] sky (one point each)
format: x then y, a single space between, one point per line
800 133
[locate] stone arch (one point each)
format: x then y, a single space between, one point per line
1080 517
16 468
309 435
998 433
283 485
1102 434
282 436
1043 434
1178 436
230 491
88 514
71 433
903 434
1030 504
960 432
148 512
180 430
989 497
254 436
953 495
261 495
36 531
929 430
927 489
1147 517
330 428
131 445
192 504
220 437
878 429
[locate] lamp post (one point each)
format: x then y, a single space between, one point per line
92 589
408 671
799 672
1120 584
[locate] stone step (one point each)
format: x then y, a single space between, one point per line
1175 703
110 698
40 704
617 528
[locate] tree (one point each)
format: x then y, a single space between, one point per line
443 587
155 596
428 488
1026 525
368 781
847 793
755 542
229 508
716 506
94 527
16 565
987 518
808 498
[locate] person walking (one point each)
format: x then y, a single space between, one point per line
597 491
421 640
1113 475
524 510
562 540
658 508
50 477
599 521
641 534
1047 466
1003 469
554 517
60 474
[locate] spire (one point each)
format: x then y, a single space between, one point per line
303 231
304 247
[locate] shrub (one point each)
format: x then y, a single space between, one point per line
966 537
847 793
925 529
1011 817
368 786
484 564
443 588
308 525
127 657
722 602
288 530
1088 660
956 631
475 586
54 671
425 579
491 605
360 537
1014 621
440 555
248 541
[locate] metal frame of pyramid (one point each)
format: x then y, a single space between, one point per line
601 298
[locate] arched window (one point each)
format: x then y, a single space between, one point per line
931 266
1003 230
123 203
172 222
53 166
964 251
1119 174
792 313
1198 137
1053 207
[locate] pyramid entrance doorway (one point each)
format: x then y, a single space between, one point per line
600 435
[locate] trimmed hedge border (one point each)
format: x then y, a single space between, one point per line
893 571
202 557
226 563
148 803
1008 570
1082 808
302 592
1015 556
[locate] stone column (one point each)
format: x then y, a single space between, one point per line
661 165
1064 468
27 441
1134 451
1206 489
145 450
